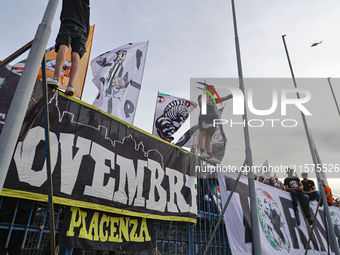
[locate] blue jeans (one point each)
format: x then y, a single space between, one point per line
313 196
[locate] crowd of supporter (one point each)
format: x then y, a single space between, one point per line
275 182
272 181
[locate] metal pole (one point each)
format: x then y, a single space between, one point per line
336 103
17 111
317 167
311 231
255 228
48 159
222 212
16 54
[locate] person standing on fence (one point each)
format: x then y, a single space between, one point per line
74 31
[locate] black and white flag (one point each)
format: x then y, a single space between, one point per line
170 113
118 75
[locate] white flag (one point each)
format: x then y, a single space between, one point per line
266 170
118 75
170 113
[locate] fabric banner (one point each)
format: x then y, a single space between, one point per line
118 76
51 56
93 230
279 231
100 163
9 79
170 113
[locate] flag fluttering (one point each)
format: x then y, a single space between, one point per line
51 55
170 113
265 170
118 76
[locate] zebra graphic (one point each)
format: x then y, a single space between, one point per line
174 115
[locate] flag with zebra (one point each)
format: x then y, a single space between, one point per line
170 113
118 76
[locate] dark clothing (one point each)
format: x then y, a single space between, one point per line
71 34
298 195
308 185
76 12
205 122
75 25
293 182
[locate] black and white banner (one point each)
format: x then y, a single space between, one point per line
9 78
93 230
279 231
170 114
118 75
101 163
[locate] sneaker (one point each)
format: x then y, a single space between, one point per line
214 160
53 82
69 90
204 155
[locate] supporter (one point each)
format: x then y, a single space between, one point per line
169 138
336 202
193 151
261 179
328 193
74 30
206 127
271 182
294 186
309 189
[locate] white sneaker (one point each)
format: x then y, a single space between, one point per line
205 155
53 82
214 160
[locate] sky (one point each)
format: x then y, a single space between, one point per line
195 39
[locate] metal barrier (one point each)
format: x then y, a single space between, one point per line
27 222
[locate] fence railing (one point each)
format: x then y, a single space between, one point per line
26 224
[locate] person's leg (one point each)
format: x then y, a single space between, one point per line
317 195
75 58
201 139
307 197
294 199
208 143
60 61
303 203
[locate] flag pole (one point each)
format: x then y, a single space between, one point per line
256 240
336 103
17 110
317 167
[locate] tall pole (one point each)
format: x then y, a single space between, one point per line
336 103
17 110
318 175
48 158
255 228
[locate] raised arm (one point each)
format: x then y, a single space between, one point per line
225 98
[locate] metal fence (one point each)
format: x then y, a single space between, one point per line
26 224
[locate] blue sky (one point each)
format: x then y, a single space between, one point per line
195 39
